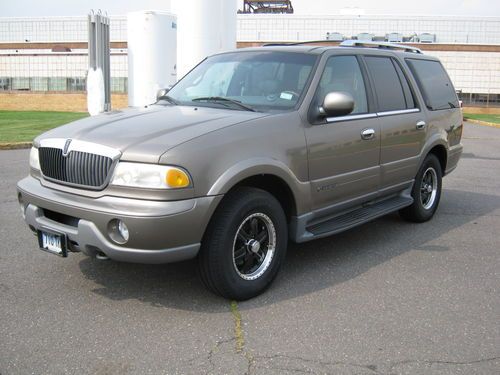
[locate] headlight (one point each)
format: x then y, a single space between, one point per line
34 160
150 176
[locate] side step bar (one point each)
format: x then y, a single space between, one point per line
359 216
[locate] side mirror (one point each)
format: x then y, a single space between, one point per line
162 92
337 103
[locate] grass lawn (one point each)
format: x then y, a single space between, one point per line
488 118
23 126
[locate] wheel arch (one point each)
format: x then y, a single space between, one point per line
441 153
275 186
269 175
437 146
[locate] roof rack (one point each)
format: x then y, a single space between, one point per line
296 43
352 43
383 45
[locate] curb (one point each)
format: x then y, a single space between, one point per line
484 123
15 145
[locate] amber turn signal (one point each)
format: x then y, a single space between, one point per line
177 178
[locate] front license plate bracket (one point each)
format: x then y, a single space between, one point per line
52 242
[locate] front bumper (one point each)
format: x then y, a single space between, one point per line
160 231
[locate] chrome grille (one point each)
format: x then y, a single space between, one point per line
77 168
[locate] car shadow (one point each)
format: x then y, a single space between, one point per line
309 267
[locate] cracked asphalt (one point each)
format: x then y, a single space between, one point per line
389 297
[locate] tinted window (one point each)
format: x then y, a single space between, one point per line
342 73
390 95
436 87
410 101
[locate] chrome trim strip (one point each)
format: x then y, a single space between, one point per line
53 142
82 146
351 117
372 115
398 112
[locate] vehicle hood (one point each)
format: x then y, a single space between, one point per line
144 134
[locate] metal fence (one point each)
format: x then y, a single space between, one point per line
38 70
56 84
55 29
479 100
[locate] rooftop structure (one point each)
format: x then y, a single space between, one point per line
272 6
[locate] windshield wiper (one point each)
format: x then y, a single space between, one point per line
444 106
168 99
223 99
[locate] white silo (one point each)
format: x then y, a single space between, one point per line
152 54
204 28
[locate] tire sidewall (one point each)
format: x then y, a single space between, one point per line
261 203
430 161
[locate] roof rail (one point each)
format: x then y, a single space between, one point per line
276 44
296 43
382 45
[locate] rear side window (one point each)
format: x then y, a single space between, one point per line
436 87
388 86
410 101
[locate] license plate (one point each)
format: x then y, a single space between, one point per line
53 243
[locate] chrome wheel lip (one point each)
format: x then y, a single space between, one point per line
271 247
428 188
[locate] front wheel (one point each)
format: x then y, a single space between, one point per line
426 191
245 244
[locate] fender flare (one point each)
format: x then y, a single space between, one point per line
435 140
261 166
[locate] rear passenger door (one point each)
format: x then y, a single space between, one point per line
343 162
402 123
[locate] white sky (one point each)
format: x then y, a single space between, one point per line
21 8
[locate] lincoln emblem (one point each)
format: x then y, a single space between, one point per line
66 147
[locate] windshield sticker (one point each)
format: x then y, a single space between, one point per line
286 96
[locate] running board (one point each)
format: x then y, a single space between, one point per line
359 216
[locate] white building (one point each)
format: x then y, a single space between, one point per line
49 54
293 28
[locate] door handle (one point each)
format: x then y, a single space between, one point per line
367 134
420 125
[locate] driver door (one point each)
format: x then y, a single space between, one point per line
344 151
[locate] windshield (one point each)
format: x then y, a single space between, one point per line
262 81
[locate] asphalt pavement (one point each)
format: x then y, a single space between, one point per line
389 297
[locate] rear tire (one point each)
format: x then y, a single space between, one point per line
244 245
426 192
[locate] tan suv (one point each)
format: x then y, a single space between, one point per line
250 149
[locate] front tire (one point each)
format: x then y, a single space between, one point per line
426 192
244 245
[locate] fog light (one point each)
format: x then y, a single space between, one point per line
118 231
122 228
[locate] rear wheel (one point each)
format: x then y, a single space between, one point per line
426 191
245 244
